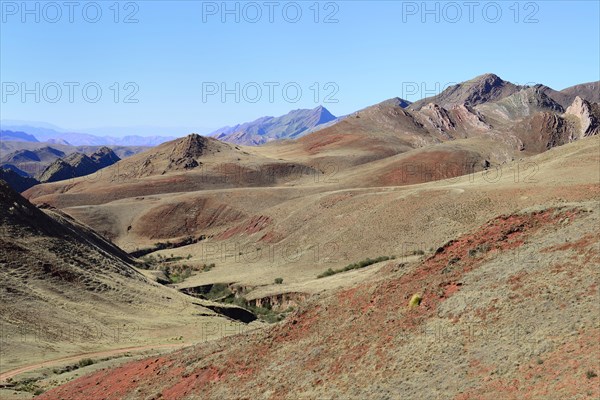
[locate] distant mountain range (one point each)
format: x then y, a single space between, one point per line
17 136
78 164
31 159
41 132
481 90
19 168
292 125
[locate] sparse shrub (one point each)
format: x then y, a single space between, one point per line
418 253
166 270
484 248
329 272
265 313
278 281
415 300
219 291
207 267
85 362
591 374
183 273
360 264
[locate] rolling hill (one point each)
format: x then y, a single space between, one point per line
65 290
504 298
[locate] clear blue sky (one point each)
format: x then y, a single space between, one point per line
373 51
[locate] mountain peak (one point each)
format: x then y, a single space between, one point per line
483 85
481 89
488 77
189 147
104 157
78 164
324 115
103 150
396 102
292 125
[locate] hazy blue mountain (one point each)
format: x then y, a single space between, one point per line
16 136
50 133
292 125
31 162
32 158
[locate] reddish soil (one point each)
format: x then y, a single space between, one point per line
253 225
560 369
436 165
373 319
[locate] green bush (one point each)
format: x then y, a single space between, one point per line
329 272
415 300
350 267
219 291
278 281
85 362
208 267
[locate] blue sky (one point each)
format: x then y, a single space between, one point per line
173 56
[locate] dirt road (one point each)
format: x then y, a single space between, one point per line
108 353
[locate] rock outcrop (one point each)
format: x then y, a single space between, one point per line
587 116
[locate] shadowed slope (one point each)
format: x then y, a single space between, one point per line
65 289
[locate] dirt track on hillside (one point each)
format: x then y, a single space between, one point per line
11 374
